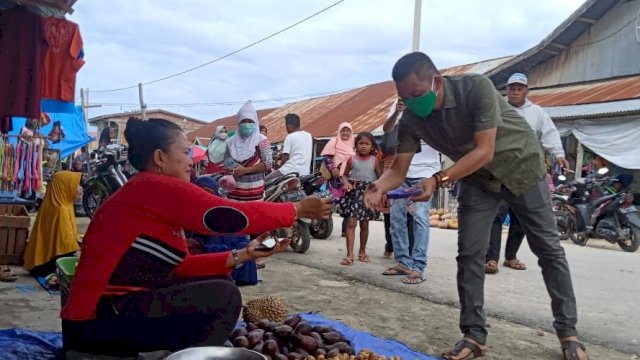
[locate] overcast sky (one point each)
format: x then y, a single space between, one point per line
355 43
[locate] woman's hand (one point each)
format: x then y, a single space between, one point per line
312 207
335 172
254 254
237 171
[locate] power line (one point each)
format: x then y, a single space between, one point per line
227 55
234 102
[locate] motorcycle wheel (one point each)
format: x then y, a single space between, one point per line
323 229
562 224
91 200
301 237
632 244
572 231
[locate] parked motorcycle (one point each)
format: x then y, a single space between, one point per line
312 185
590 212
288 189
107 177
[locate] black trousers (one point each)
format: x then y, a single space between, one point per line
476 209
388 246
201 313
514 238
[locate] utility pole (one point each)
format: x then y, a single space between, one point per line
143 106
416 25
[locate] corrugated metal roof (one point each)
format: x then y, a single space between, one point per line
604 91
623 107
229 121
365 108
556 42
481 67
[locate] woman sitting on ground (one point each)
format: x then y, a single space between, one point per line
55 232
136 287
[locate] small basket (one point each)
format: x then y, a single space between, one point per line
65 270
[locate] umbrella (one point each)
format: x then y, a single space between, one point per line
198 153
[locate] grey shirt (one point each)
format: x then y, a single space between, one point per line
472 104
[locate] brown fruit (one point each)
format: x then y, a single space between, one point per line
267 325
251 327
332 337
317 337
283 330
332 353
303 328
322 329
281 357
342 347
255 337
320 351
258 347
269 336
241 342
239 332
306 342
294 356
270 348
293 321
302 352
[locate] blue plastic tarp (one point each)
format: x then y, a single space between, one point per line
363 340
18 344
69 117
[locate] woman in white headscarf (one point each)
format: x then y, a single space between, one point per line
248 156
216 150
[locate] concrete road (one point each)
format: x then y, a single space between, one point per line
606 283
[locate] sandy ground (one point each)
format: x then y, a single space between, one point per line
424 325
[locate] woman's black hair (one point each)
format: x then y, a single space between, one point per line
104 135
146 136
368 135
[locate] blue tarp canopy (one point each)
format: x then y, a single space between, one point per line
69 117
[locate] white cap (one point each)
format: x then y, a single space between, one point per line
517 78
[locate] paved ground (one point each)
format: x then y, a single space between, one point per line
421 316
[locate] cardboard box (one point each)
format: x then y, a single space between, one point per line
14 233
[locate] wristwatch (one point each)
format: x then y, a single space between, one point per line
236 259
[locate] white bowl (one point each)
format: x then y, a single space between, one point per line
216 353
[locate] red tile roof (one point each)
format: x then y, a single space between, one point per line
603 91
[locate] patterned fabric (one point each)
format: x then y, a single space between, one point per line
352 204
250 187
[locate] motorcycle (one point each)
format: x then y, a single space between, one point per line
287 188
108 176
590 212
312 185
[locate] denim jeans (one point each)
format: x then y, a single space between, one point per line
416 259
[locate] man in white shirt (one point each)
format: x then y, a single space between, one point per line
542 125
297 150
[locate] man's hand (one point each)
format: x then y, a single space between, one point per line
400 106
564 164
347 186
312 207
428 187
374 198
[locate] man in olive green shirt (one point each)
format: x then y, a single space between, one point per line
497 157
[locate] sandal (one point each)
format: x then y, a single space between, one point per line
570 349
387 254
476 351
364 258
6 275
515 264
397 270
491 267
414 278
347 261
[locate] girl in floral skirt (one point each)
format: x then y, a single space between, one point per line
362 169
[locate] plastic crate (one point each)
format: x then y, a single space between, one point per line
66 269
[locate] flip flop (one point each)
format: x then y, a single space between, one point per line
476 351
387 255
347 261
397 270
6 275
364 258
414 278
570 349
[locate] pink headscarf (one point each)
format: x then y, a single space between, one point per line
341 150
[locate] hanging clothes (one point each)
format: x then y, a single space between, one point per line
63 58
23 49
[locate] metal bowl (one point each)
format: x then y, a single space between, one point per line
216 353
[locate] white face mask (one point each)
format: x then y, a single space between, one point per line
222 136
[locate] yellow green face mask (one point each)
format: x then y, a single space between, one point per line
423 105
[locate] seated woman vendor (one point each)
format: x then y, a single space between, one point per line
136 287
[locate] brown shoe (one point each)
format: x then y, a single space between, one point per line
491 267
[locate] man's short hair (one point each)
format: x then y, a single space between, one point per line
417 63
292 120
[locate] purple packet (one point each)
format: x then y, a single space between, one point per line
404 193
